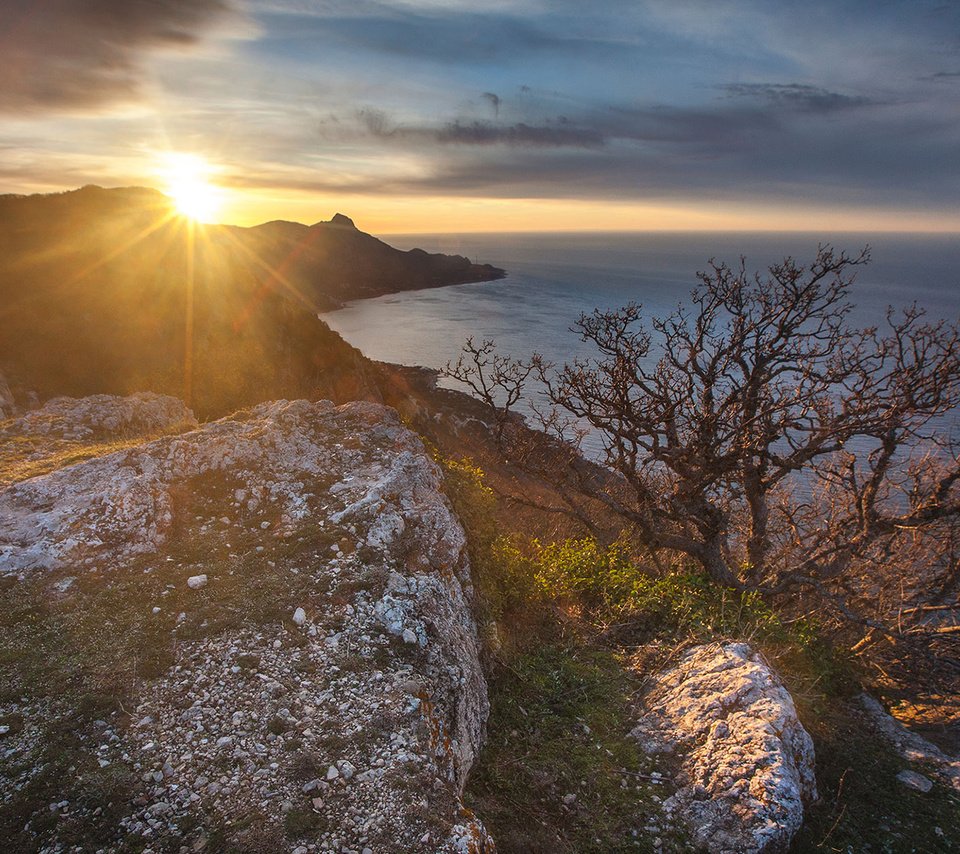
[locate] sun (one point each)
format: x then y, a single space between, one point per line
187 182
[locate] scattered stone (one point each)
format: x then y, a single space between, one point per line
244 714
910 745
299 616
915 781
195 582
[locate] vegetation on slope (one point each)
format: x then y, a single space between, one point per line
574 628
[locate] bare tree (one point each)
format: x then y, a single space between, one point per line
497 380
758 431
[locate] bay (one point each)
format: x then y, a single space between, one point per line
553 278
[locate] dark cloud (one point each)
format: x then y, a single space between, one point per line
530 136
796 96
481 133
732 150
73 54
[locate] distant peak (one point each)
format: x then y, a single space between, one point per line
343 221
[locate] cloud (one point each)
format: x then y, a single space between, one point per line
494 100
481 133
796 95
79 54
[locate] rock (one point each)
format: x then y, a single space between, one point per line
288 700
746 762
915 781
195 582
299 616
910 745
342 221
103 416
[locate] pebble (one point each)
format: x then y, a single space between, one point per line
195 582
299 616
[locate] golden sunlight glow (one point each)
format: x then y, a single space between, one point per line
187 182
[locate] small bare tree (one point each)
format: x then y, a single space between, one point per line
497 380
756 429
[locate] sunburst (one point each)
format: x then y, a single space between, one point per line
187 180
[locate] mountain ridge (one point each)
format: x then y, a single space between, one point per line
110 291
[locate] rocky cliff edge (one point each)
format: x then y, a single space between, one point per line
255 635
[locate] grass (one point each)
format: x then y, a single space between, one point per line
26 456
23 457
558 727
863 807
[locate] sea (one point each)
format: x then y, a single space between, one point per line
553 278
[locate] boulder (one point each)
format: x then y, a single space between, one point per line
746 764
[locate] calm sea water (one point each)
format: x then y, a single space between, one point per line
553 278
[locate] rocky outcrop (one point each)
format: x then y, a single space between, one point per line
341 220
102 416
348 720
746 764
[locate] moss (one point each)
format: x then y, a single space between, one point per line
303 823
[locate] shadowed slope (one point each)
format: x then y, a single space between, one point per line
101 291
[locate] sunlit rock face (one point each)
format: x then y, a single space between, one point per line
320 690
746 762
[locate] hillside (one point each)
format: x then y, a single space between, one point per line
102 289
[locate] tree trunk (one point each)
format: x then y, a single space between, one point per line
712 558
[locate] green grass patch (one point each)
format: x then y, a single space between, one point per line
559 723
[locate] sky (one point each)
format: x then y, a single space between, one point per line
499 115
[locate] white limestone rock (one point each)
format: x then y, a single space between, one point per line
746 762
218 733
910 745
103 416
